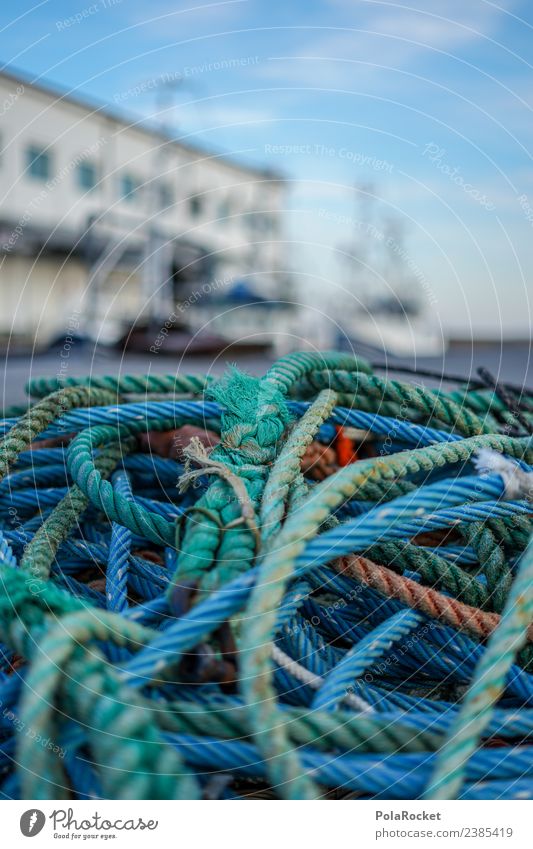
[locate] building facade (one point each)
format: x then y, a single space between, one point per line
115 222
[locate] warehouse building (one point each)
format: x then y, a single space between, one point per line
106 222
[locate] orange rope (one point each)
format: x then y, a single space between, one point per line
344 448
462 616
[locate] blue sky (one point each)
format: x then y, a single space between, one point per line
427 104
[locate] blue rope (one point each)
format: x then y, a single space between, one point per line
344 643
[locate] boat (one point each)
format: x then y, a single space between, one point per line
388 305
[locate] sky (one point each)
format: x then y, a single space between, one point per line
418 112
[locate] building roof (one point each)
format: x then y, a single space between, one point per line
134 122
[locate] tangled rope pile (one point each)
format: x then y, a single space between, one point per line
185 621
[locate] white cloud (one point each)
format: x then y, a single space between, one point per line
211 115
192 18
374 34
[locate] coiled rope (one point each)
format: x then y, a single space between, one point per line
220 610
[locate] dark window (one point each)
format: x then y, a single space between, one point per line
261 222
87 177
195 205
128 187
166 196
38 163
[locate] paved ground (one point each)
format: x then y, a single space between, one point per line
506 362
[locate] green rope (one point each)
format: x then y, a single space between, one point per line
41 416
487 686
39 554
175 384
434 570
258 510
404 396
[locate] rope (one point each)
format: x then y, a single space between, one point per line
370 631
463 617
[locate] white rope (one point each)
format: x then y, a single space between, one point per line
518 484
305 676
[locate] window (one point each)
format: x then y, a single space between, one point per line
38 163
269 223
166 196
87 177
129 187
261 222
224 211
195 205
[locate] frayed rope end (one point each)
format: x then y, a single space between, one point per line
518 484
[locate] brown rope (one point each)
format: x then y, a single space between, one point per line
472 620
